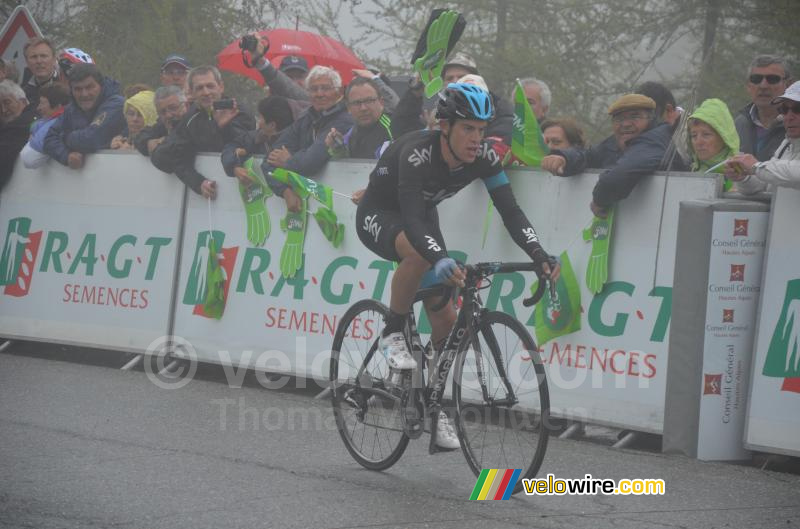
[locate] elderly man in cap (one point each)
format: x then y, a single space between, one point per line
783 168
174 70
635 149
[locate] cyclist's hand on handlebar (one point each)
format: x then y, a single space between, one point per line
551 269
447 271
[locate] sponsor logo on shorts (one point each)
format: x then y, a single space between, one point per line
372 227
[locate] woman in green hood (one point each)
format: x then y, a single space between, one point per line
712 137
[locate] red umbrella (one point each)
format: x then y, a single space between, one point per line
315 49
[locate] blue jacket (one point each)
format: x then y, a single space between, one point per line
305 139
87 132
39 131
643 155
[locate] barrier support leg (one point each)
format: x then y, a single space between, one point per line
574 430
627 440
168 368
324 394
5 345
135 361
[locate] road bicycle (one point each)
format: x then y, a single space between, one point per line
500 402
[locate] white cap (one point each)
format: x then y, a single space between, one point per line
477 80
793 93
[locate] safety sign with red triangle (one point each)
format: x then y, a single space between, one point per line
18 29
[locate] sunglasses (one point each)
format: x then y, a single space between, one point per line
756 78
785 109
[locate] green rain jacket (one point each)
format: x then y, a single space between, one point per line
716 114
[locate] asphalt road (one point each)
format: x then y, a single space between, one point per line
91 446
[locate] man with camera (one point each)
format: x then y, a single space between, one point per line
279 83
208 125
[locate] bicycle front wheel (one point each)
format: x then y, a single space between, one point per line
365 404
501 398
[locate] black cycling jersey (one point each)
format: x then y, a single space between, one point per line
412 177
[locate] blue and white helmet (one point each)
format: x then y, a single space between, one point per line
465 101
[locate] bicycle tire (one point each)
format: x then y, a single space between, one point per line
483 427
376 440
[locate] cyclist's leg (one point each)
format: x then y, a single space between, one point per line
408 276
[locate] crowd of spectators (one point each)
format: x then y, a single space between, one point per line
63 108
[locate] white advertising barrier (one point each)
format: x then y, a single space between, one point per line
88 257
611 371
713 324
773 420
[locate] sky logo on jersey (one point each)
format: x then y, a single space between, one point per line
490 154
530 235
432 244
496 484
420 156
18 257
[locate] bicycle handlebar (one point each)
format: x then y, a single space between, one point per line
487 269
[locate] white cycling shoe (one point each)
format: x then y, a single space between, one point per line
394 348
446 437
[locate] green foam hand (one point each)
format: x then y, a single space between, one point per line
597 268
258 225
305 187
294 224
330 226
214 302
429 66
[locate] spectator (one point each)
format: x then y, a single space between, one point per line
760 130
40 57
174 70
140 112
457 67
52 101
666 108
170 105
712 135
635 149
408 115
669 112
284 81
201 129
8 70
372 128
274 116
301 147
16 117
562 134
783 168
133 89
538 95
295 68
90 121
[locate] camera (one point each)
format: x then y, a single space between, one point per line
249 43
223 104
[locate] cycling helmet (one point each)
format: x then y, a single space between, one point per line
75 56
464 101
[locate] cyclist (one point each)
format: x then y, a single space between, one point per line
397 217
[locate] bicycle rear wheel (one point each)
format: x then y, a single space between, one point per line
501 398
365 403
